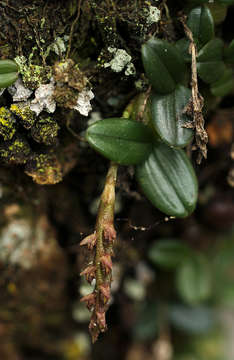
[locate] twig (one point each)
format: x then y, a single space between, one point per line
72 29
194 108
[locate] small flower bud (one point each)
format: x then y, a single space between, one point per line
89 273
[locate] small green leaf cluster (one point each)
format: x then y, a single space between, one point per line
163 169
8 73
213 59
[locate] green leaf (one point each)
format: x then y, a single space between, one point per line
168 118
120 140
200 22
168 253
218 12
7 79
224 85
210 66
212 51
8 73
168 180
8 66
229 53
163 64
183 46
193 280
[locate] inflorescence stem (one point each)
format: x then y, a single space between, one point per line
100 243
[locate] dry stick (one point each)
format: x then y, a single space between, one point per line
195 105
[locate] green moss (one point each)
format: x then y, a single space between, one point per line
7 124
33 75
25 114
45 131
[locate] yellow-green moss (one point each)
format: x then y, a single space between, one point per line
7 124
25 114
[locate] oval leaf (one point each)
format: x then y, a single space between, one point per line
168 180
168 118
120 140
168 253
163 64
183 46
8 79
200 22
223 86
8 66
193 280
212 51
229 53
210 66
211 72
218 12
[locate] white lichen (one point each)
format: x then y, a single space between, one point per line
18 91
58 46
153 15
120 60
44 99
21 62
130 70
83 102
20 243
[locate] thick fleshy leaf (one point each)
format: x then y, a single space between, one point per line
224 85
8 79
120 140
200 22
210 66
8 66
168 253
168 118
8 73
218 12
212 51
183 46
193 280
163 64
168 180
229 53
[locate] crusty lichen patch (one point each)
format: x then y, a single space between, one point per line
121 60
45 131
16 151
45 169
7 124
24 113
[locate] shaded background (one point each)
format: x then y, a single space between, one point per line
173 293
